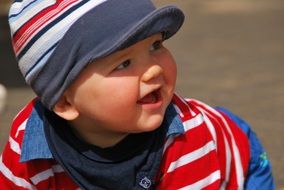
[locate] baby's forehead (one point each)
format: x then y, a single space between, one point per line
133 49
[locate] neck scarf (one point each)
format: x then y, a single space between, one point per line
133 163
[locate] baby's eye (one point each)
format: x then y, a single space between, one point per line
156 45
123 65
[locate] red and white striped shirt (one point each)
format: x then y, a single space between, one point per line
41 174
211 152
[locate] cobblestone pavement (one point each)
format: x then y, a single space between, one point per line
229 53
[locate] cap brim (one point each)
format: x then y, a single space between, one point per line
166 20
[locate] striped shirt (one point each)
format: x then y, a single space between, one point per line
204 149
208 154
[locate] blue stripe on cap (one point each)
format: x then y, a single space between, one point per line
43 55
47 27
28 5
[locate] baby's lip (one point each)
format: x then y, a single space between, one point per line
151 97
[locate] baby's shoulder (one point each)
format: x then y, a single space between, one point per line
20 121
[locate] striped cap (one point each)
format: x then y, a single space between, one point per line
54 40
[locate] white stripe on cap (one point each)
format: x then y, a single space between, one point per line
28 13
18 7
49 39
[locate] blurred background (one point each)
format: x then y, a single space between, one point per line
229 52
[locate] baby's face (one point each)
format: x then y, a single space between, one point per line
127 91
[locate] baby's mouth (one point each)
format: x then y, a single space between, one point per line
151 98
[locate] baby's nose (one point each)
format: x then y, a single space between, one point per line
154 71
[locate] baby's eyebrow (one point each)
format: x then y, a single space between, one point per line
123 53
111 60
159 36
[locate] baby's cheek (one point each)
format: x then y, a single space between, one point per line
171 72
169 64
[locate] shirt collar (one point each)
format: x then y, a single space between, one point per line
173 121
35 145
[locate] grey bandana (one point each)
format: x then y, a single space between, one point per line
131 164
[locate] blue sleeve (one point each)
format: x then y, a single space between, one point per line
259 174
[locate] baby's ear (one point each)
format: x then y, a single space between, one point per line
65 109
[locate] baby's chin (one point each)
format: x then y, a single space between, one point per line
151 124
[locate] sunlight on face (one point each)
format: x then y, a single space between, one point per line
125 92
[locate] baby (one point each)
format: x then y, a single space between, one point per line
106 115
